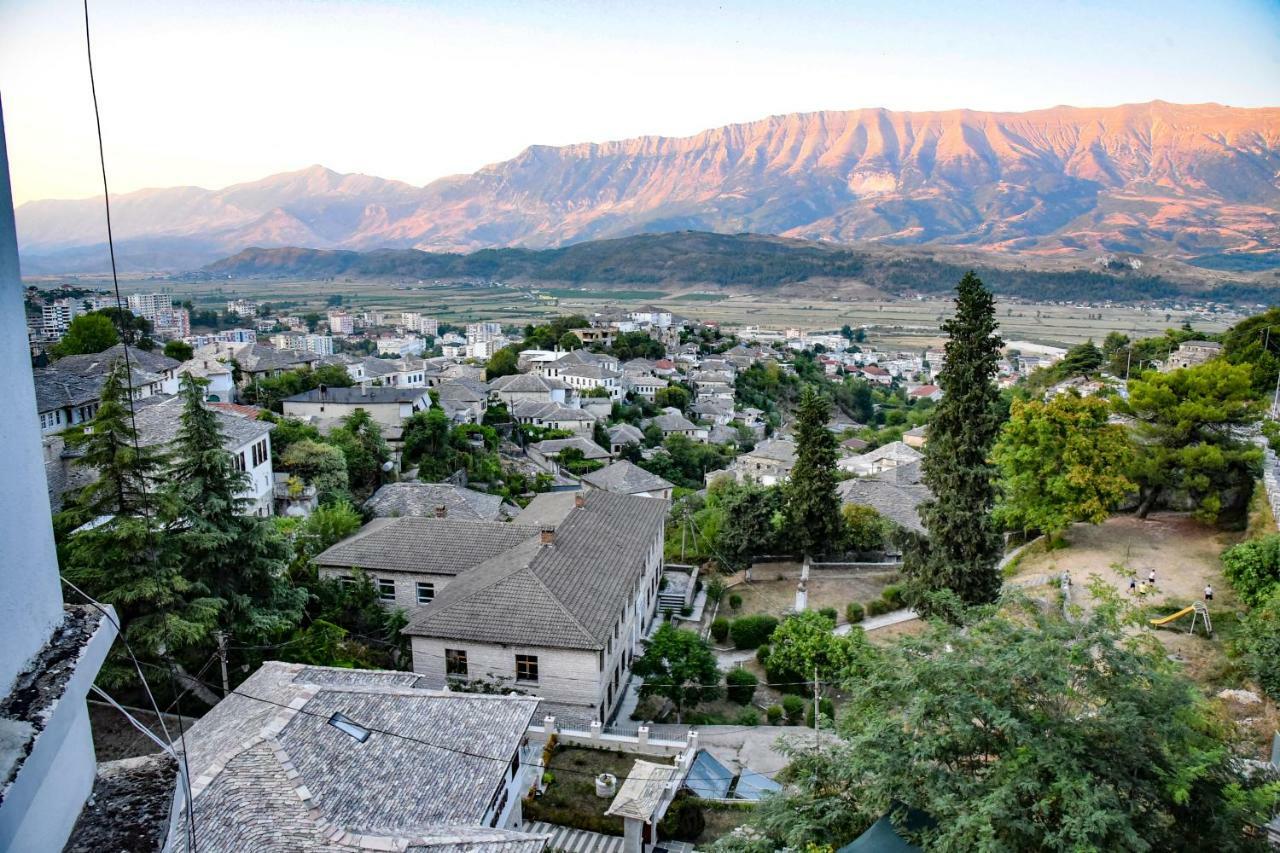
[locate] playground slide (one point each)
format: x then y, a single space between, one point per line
1172 616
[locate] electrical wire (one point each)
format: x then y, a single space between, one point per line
133 416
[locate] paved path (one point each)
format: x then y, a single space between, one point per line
575 840
884 620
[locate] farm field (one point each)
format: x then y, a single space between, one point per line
896 323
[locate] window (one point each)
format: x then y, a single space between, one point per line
347 581
259 453
526 667
238 461
426 592
386 589
455 662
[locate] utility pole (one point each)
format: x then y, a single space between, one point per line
817 711
222 658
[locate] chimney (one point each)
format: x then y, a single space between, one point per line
548 535
441 511
579 500
364 390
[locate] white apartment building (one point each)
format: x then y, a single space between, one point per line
242 307
341 323
478 332
401 347
317 344
56 317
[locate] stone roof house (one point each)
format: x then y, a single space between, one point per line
768 463
417 770
620 435
554 415
881 459
674 423
624 478
438 500
559 615
546 454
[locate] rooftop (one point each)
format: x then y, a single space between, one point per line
566 593
269 772
589 448
624 478
356 396
159 418
440 546
424 499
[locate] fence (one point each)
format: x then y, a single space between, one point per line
640 740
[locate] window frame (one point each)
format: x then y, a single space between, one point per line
527 669
455 663
382 585
418 589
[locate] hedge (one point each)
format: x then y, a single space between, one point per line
720 629
750 632
854 612
741 686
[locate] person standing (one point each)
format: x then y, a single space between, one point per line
1151 578
1208 592
1133 585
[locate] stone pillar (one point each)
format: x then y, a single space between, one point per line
632 836
549 725
594 733
642 736
692 741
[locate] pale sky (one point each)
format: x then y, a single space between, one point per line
212 93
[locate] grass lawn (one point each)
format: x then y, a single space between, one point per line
721 820
570 799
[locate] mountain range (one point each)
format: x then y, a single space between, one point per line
1193 182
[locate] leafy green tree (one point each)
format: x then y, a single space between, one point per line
673 396
1253 568
812 523
504 362
88 333
963 544
804 643
1187 425
865 529
240 559
678 665
1255 342
178 350
1081 360
686 461
748 524
361 442
288 432
1025 731
1061 461
318 464
426 443
1259 643
569 341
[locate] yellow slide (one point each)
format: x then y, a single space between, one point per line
1172 616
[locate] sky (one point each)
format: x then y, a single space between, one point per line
215 92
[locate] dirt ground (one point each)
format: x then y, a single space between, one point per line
1185 555
766 594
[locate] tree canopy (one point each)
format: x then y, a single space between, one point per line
88 333
678 665
812 523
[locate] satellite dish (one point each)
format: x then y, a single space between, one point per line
388 466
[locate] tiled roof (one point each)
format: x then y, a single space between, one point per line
442 546
377 367
98 363
566 594
590 450
624 478
625 434
526 383
422 499
673 423
589 371
893 450
269 773
547 509
158 420
775 449
898 503
58 390
354 396
549 411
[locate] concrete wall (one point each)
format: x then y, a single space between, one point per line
565 676
30 593
386 414
406 584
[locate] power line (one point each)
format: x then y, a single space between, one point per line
133 416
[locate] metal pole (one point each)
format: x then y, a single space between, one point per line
1128 361
222 659
817 711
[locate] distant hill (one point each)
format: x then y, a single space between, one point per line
1158 179
684 260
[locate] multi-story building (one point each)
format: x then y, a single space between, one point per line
479 332
401 347
318 344
242 307
341 323
414 322
226 336
56 316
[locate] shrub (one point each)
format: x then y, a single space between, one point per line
735 601
831 613
892 596
748 717
774 714
762 655
828 710
854 612
877 607
720 629
683 821
715 590
749 632
1260 645
793 707
741 686
1253 568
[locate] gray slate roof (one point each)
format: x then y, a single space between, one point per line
158 420
422 499
98 363
58 390
898 503
566 594
625 434
549 410
355 395
590 450
673 423
526 383
269 773
624 478
440 546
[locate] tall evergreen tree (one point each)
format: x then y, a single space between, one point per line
963 545
123 559
240 558
813 514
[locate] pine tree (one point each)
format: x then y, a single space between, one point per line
240 558
812 504
125 560
962 548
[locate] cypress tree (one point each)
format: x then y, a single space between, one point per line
813 508
963 547
240 558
